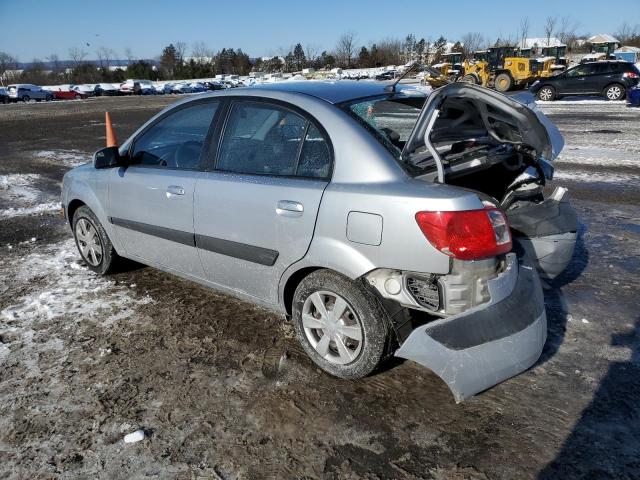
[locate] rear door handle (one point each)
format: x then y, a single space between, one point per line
174 190
289 208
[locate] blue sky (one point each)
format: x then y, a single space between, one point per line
30 28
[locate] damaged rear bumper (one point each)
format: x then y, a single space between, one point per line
479 348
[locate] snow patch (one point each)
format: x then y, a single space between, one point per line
69 158
18 187
70 289
35 209
585 176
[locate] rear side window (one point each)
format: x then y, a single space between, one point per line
267 139
315 158
176 141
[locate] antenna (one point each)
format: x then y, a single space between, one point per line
392 88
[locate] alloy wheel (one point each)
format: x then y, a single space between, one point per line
546 94
614 92
89 242
332 327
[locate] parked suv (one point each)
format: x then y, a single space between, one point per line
376 218
25 92
610 79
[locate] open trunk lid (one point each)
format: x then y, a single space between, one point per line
513 120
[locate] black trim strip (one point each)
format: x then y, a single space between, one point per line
178 236
250 253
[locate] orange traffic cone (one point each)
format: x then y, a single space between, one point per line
112 141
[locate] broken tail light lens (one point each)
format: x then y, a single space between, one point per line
467 234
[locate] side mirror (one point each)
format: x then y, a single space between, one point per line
108 157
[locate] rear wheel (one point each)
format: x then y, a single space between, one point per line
469 79
341 325
77 97
26 99
92 241
503 82
615 91
546 93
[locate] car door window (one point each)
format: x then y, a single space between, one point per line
175 141
315 157
579 71
261 139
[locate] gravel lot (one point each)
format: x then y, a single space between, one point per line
221 387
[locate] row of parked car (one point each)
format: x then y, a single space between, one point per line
25 92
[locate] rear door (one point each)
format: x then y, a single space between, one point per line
601 75
151 201
255 211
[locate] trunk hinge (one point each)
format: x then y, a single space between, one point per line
431 148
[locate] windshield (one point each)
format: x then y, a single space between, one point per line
390 118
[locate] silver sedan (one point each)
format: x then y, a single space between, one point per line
380 220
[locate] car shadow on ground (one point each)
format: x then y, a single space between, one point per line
604 443
555 304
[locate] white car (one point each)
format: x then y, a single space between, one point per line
163 88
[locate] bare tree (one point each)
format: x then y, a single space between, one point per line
7 62
550 27
567 30
524 31
472 42
311 52
104 56
201 52
181 49
626 33
346 48
77 55
129 54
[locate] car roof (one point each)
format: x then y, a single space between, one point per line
330 91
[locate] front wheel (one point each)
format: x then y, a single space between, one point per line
503 82
341 324
546 93
614 92
92 241
26 99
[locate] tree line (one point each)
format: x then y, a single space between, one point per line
173 63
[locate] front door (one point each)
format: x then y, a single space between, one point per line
151 201
256 211
576 80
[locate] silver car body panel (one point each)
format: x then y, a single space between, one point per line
301 223
481 352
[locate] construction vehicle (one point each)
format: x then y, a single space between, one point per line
451 66
503 70
553 59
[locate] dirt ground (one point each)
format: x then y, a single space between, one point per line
223 391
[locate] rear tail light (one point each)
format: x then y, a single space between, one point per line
631 75
467 234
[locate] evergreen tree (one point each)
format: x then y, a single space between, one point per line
299 58
364 59
169 62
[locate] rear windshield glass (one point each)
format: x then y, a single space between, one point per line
389 118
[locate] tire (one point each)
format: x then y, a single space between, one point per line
77 97
469 79
615 91
503 82
104 262
48 98
26 99
546 93
363 330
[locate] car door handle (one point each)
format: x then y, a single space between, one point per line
174 190
289 208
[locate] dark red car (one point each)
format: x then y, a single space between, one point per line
68 95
